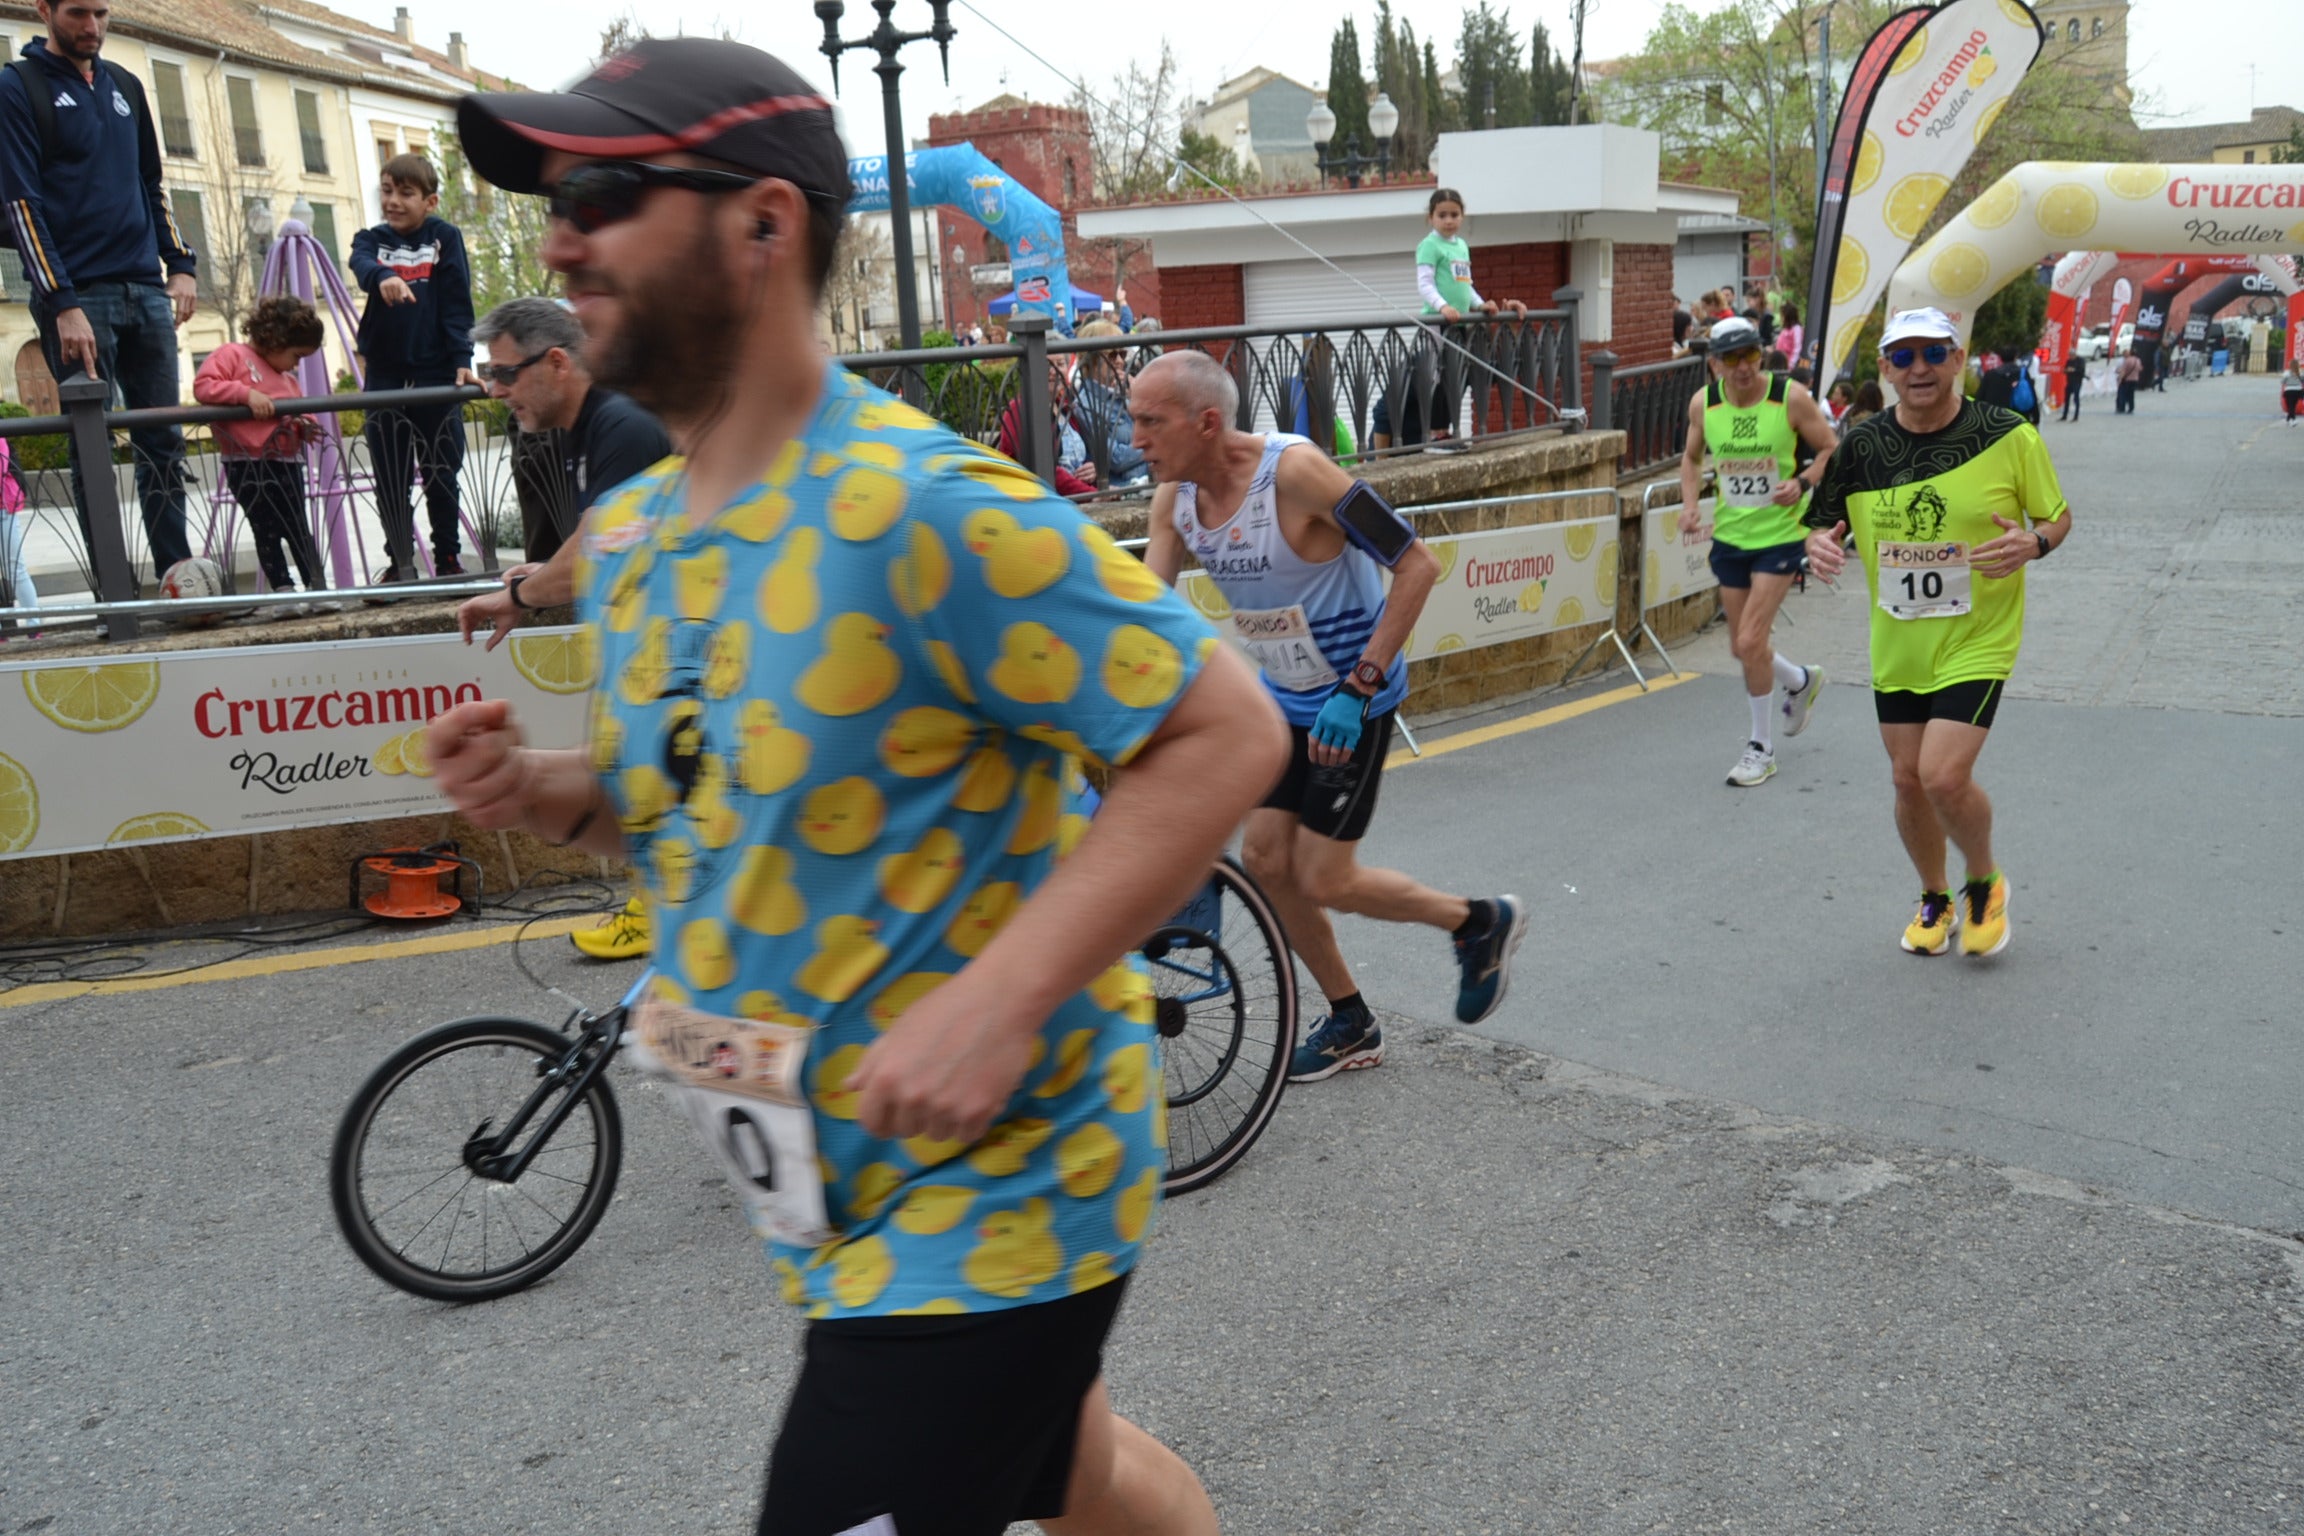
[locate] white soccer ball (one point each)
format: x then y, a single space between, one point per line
196 577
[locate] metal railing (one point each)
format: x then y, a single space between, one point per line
1377 384
1649 405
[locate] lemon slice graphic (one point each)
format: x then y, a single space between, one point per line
94 697
156 824
1911 201
556 663
19 806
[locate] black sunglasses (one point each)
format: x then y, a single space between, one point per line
508 374
606 192
1935 352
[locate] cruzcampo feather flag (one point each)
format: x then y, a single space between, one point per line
1926 89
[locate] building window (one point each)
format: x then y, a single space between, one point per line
2072 30
324 230
192 224
308 129
175 118
2096 26
2247 157
1715 104
247 138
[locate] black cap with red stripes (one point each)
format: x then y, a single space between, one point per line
722 100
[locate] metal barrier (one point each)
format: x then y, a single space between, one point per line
1649 405
1486 377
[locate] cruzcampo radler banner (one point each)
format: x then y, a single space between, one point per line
1903 135
102 751
1505 584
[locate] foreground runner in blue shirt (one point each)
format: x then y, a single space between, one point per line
1296 545
850 664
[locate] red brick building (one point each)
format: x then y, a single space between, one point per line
1046 148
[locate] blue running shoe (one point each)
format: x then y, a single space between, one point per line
1486 959
1338 1045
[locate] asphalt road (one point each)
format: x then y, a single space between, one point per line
1734 1218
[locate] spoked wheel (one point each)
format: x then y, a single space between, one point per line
410 1172
1224 1000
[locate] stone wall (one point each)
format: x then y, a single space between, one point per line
232 878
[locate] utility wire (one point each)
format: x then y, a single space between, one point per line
1151 137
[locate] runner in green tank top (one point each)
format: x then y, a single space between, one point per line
1753 423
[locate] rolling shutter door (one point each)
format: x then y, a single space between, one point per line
1293 292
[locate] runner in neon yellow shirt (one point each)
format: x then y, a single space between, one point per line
1948 500
1753 423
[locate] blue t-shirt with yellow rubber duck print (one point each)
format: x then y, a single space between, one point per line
840 724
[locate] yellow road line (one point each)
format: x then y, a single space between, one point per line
484 938
1401 757
301 960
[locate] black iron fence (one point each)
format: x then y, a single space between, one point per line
105 515
1649 405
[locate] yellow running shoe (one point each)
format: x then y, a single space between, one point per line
623 936
1930 931
1986 930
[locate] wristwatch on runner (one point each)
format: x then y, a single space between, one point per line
1367 679
2045 546
513 586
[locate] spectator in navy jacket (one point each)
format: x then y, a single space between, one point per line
415 332
92 225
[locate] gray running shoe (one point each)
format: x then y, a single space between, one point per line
1798 705
1757 766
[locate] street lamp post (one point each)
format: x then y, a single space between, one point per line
885 40
1383 121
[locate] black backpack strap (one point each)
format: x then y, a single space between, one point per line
29 76
1777 385
1712 394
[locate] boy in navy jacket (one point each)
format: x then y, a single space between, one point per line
415 332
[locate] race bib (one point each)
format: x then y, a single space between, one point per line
1461 271
740 1083
1747 482
1281 641
1924 581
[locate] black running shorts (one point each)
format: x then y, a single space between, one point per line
1972 703
1334 802
949 1426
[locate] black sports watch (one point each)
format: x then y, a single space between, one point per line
1367 679
513 586
2045 546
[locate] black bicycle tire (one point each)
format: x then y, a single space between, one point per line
352 1132
1238 885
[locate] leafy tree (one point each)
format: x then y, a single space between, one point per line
1209 159
1490 78
502 234
2010 322
1400 75
1439 107
1348 88
2292 152
1549 81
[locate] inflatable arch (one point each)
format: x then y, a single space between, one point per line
959 177
2043 207
2080 271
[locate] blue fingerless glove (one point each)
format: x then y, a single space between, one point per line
1340 720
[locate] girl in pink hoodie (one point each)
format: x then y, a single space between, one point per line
264 458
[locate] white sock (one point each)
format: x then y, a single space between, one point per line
1790 675
1764 720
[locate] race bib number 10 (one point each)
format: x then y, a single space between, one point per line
1747 482
739 1080
1924 581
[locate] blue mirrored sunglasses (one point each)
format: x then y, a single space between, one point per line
1935 352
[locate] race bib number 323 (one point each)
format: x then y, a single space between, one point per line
1747 482
1924 581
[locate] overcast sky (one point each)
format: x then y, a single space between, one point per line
2189 59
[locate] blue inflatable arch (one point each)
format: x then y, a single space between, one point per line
959 177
